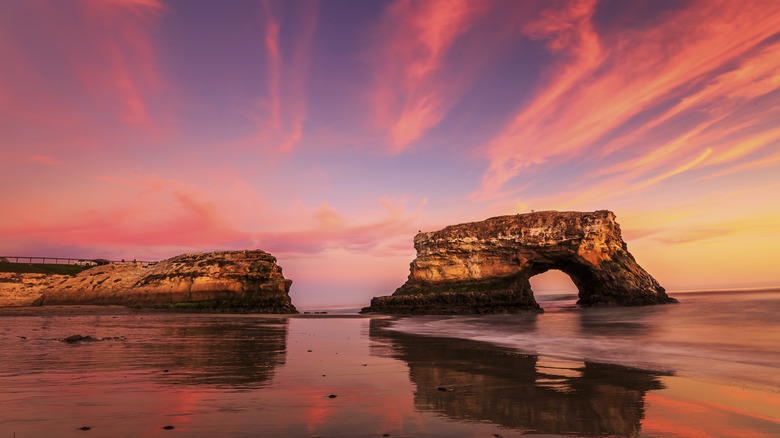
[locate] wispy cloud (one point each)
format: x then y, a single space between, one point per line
283 111
46 160
98 74
159 214
332 230
413 40
126 76
717 230
643 101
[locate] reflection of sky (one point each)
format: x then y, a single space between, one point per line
195 372
329 133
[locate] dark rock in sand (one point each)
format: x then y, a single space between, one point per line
485 267
79 338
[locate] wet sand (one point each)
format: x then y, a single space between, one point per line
76 310
68 310
263 375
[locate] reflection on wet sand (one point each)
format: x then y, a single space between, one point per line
240 354
471 381
237 353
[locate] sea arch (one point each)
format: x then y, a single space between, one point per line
485 267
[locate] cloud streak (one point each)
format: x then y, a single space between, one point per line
413 41
175 216
46 160
100 76
712 62
379 235
280 123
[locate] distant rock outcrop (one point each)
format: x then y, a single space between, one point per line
484 267
229 280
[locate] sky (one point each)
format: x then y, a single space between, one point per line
329 133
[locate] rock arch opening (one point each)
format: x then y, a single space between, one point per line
554 289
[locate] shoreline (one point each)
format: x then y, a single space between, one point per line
676 363
90 309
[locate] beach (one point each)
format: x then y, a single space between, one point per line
704 367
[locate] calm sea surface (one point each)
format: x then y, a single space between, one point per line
709 366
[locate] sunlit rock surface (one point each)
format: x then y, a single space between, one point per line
484 267
230 280
25 289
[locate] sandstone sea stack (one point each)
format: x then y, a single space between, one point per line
484 267
223 280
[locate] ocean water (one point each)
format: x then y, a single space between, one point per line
707 367
731 336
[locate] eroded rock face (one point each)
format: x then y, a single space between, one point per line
230 280
25 289
484 267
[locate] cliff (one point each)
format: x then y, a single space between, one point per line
484 267
230 280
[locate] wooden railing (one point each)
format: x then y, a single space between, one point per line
66 261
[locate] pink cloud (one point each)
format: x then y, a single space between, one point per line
90 76
164 217
187 222
130 75
716 55
154 4
280 122
332 230
45 160
413 42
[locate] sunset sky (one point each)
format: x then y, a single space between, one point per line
328 133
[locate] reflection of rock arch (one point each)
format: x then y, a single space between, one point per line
472 381
484 267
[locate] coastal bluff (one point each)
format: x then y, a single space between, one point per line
485 267
224 280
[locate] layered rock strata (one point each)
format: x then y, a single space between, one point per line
228 280
484 267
